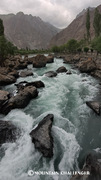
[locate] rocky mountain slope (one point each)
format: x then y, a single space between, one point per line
28 31
76 30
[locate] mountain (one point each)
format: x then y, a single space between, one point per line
83 11
28 31
76 30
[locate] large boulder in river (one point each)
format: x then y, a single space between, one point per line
61 69
26 73
41 136
50 59
8 132
21 100
37 84
39 61
51 74
95 106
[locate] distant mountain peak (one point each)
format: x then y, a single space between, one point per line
20 13
85 10
28 31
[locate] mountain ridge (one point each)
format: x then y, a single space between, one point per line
75 30
27 31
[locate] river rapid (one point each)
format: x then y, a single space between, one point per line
76 128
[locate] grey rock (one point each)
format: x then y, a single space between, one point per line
41 136
61 69
51 74
50 59
37 84
21 100
95 106
26 73
6 79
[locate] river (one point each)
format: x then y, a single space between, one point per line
76 128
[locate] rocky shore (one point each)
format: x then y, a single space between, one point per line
86 63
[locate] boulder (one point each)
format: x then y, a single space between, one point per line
8 75
9 71
8 132
14 73
51 74
50 59
20 65
9 63
61 69
95 106
87 66
39 61
6 79
26 73
21 100
37 84
4 96
42 138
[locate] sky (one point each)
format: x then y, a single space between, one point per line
59 13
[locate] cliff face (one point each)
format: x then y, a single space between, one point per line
28 31
76 30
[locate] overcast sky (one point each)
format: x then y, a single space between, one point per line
58 12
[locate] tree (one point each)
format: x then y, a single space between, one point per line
72 46
97 22
55 49
6 47
96 44
3 49
86 49
88 24
1 28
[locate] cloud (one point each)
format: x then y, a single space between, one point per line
58 12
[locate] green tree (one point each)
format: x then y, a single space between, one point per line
72 46
6 47
97 22
1 28
55 49
96 44
88 24
86 49
3 48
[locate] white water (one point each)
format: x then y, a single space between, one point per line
64 96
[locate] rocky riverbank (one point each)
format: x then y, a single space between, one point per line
86 63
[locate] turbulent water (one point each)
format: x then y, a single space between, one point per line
76 128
